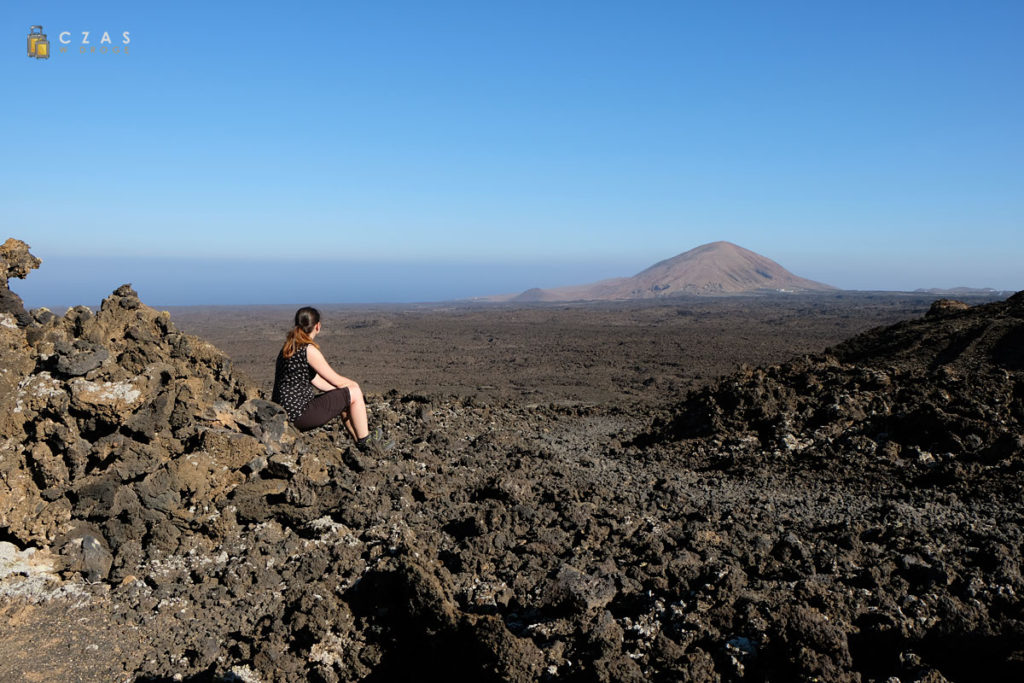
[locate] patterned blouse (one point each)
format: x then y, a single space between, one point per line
293 388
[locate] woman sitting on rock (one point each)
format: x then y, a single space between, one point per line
301 367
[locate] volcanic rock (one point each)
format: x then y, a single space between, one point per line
87 554
15 261
948 384
946 307
99 407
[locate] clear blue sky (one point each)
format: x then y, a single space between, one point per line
356 151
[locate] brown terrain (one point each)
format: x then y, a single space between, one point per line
647 353
711 269
679 490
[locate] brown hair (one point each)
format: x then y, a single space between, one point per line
306 319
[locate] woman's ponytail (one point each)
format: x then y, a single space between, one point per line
306 318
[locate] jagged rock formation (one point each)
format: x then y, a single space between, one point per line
947 388
15 261
120 430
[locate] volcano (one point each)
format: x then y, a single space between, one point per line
710 269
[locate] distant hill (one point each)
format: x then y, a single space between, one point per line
715 268
964 291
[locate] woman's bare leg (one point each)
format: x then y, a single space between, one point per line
356 422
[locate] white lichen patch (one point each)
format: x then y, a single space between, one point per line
39 588
105 392
14 561
172 564
487 593
328 651
333 532
30 575
245 674
201 561
41 386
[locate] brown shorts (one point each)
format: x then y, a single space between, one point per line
323 409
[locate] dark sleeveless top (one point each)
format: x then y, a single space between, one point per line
293 388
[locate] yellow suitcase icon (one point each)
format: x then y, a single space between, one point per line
38 45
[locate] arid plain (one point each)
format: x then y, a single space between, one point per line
636 352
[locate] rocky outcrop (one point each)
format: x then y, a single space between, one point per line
15 261
947 389
120 433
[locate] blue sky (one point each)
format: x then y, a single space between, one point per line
363 151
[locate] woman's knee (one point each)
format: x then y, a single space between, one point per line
355 393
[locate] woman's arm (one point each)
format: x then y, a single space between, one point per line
321 384
323 370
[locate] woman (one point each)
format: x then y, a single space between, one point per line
300 368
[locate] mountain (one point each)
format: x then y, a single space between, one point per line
715 268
